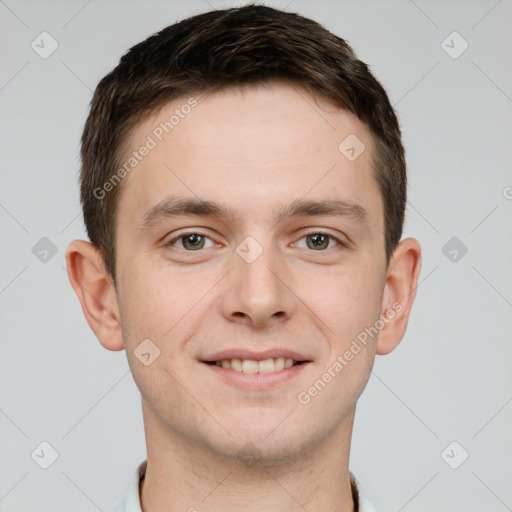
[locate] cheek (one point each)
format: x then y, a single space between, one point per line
155 300
346 299
348 305
155 309
149 312
166 308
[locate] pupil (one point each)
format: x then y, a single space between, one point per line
192 240
318 240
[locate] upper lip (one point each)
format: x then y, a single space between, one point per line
256 356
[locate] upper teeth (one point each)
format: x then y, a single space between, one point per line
251 366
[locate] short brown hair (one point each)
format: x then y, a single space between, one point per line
232 47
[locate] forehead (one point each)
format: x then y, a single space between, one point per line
248 147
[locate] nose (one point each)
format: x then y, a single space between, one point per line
258 293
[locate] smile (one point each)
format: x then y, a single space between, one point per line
253 375
270 365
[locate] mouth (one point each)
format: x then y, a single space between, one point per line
256 375
256 370
269 365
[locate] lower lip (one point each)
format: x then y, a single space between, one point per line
254 381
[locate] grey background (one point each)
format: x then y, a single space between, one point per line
449 380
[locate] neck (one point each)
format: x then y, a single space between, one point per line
181 475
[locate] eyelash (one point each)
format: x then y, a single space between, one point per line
195 232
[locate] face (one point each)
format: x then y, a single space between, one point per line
257 273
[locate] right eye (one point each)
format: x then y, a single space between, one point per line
191 240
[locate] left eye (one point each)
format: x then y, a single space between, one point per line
319 241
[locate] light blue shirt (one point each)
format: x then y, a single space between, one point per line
131 502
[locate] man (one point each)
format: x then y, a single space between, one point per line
243 185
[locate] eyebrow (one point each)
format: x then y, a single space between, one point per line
176 206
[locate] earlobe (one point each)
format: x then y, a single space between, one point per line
95 290
399 293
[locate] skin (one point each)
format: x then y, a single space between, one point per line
255 149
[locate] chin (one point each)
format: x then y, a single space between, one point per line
260 445
253 453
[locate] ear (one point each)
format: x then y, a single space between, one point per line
399 293
96 291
